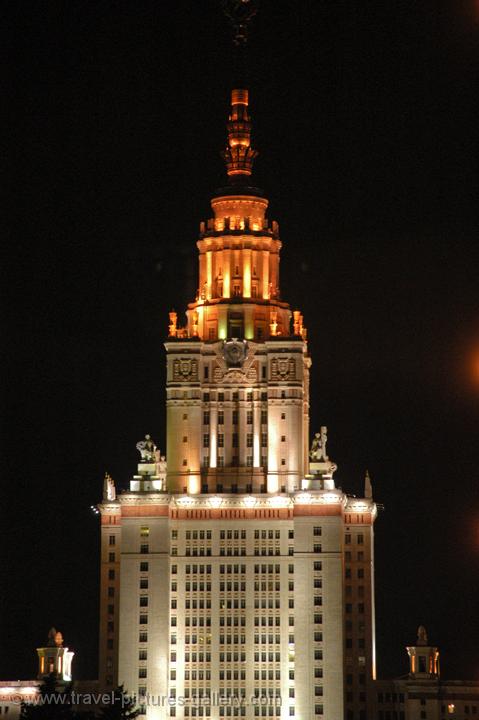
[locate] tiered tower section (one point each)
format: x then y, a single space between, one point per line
238 372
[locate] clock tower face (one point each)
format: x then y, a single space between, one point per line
234 352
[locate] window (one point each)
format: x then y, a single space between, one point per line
144 531
143 567
234 416
264 415
111 574
111 557
143 655
111 592
144 601
143 619
221 417
360 539
143 637
206 440
142 672
317 531
264 439
249 440
144 548
347 539
221 440
112 540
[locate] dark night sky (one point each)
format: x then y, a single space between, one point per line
363 116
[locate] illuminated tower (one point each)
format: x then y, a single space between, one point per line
238 372
235 568
54 659
423 658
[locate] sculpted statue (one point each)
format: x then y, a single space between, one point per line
55 639
318 446
146 448
421 635
109 491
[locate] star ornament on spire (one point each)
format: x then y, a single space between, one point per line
240 13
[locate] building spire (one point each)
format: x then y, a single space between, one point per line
368 488
239 155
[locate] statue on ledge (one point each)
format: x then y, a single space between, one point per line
109 491
147 449
55 639
318 446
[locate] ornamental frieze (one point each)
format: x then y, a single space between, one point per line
283 369
185 370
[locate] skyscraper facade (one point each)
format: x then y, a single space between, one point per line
237 580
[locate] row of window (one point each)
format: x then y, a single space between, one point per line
349 608
225 535
359 572
348 556
235 417
234 440
359 539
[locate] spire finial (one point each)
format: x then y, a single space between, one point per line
239 13
239 155
368 488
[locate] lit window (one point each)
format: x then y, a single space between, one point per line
145 531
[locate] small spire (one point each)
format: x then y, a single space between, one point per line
239 155
368 488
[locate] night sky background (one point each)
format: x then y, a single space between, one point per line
365 121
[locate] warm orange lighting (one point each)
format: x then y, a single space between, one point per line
172 329
246 274
475 367
226 283
209 273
